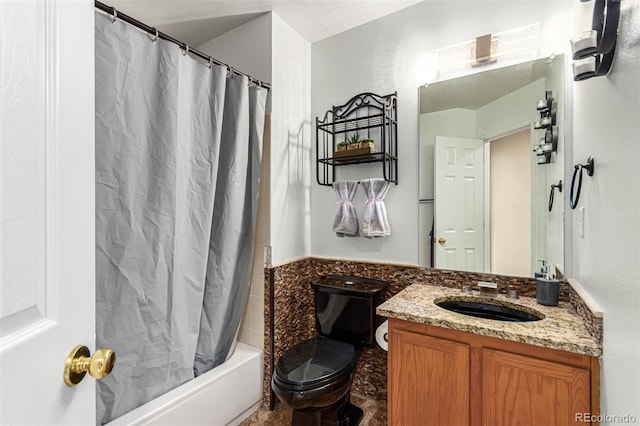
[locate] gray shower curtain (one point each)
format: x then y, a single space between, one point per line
178 152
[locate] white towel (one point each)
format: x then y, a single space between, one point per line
346 221
374 220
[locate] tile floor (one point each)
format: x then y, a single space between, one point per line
375 414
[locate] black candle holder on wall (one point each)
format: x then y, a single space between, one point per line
549 143
593 50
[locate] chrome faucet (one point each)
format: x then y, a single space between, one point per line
488 288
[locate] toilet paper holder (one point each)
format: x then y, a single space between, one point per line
382 335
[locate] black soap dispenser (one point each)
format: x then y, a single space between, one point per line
547 288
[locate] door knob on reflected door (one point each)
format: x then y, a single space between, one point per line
79 362
442 240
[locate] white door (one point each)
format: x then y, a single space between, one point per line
46 208
459 204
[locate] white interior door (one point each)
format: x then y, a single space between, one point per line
46 208
459 204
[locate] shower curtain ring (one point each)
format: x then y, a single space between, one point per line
186 50
155 36
114 15
230 72
210 65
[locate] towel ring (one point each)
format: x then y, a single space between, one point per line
553 190
589 166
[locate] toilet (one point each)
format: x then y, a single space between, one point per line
314 377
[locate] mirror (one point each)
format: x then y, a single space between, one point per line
484 199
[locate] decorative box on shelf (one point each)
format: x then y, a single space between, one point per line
355 151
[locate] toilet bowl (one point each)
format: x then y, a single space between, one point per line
314 377
314 373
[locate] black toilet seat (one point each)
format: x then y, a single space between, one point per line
314 363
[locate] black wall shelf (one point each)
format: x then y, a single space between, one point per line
368 116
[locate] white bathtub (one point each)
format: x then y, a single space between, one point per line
225 395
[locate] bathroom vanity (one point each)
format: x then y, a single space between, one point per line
454 369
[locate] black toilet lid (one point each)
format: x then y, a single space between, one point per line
315 361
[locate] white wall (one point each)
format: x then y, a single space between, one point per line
396 53
246 48
607 260
290 143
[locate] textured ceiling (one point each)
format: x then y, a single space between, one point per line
197 21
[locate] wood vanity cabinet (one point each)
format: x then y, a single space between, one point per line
441 377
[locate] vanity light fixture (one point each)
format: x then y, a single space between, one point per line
514 45
481 51
593 50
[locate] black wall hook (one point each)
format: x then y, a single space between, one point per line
589 167
553 190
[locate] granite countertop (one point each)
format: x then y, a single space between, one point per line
560 329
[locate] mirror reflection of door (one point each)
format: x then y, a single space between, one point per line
483 224
459 204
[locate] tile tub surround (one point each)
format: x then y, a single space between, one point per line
293 317
561 328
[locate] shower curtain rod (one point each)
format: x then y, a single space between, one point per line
153 31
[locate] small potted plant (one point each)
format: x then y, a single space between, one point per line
354 142
342 146
367 143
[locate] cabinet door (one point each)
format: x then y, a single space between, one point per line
428 380
518 390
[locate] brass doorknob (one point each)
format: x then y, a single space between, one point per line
442 240
78 363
